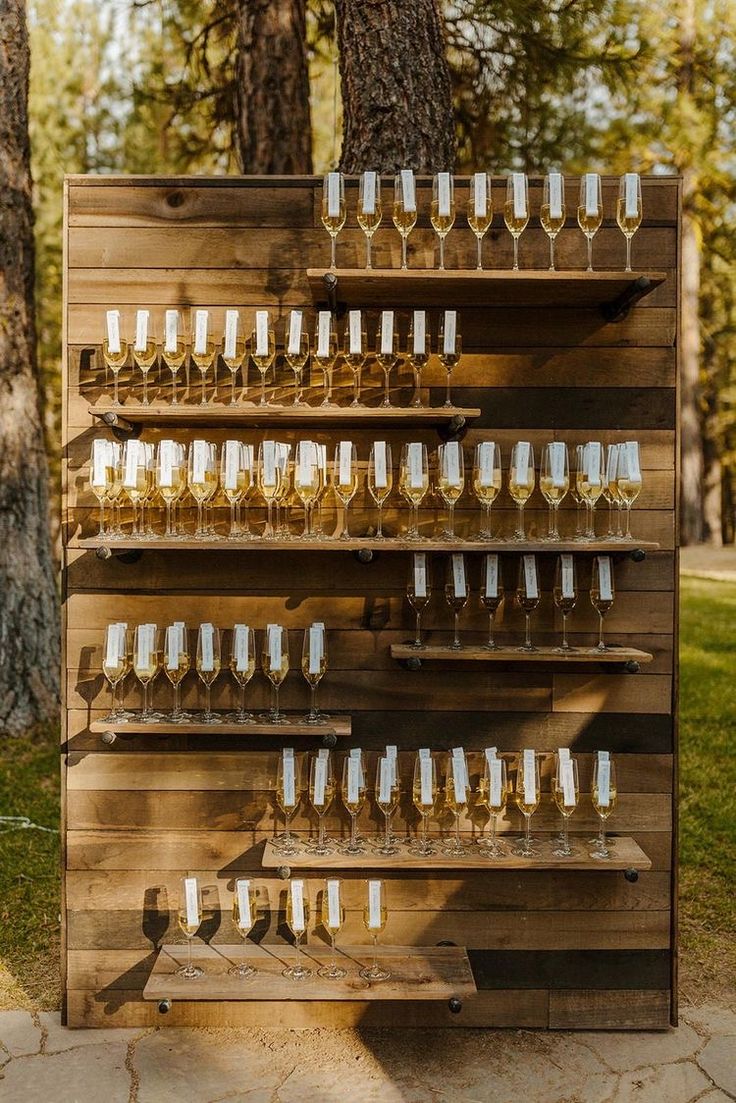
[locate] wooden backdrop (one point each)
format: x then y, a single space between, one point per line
581 949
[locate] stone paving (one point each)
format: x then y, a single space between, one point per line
42 1062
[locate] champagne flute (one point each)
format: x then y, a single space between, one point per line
101 475
115 666
527 596
491 594
244 532
480 210
602 593
449 348
283 494
418 592
289 792
442 210
417 352
307 481
456 796
208 662
577 497
115 489
387 798
263 349
176 666
521 481
297 352
405 208
355 351
189 916
590 210
213 489
629 481
554 482
242 668
591 484
269 480
387 350
424 795
297 919
114 349
175 347
314 668
332 913
275 665
610 489
145 349
334 210
370 211
486 481
629 209
234 480
414 482
325 351
375 914
456 592
146 665
516 209
234 348
450 480
380 478
528 793
345 479
565 594
245 916
204 347
566 794
170 477
353 796
150 492
321 796
603 795
492 794
201 479
135 479
553 212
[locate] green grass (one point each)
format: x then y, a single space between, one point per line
29 785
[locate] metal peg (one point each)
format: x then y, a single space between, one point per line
365 555
283 873
164 1006
632 667
329 739
413 663
108 738
638 555
455 1005
631 875
103 552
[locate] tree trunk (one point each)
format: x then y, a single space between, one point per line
396 91
29 628
273 125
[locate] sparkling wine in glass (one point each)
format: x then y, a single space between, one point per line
414 482
322 788
289 792
442 210
629 480
418 591
590 482
456 797
527 596
145 348
314 668
334 210
629 209
405 208
325 351
208 662
491 594
174 351
456 592
297 920
387 795
424 796
528 793
492 794
375 915
204 346
387 351
480 210
114 349
603 796
590 210
565 594
380 478
116 662
521 481
297 352
449 348
263 349
242 668
554 482
275 665
201 480
332 913
146 665
602 593
345 479
190 916
176 666
418 352
486 482
370 211
234 348
553 211
353 794
356 350
516 209
245 916
566 795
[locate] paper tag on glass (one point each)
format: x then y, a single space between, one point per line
486 462
374 904
605 582
380 470
458 774
171 330
200 332
100 460
458 575
356 754
232 464
530 778
420 574
450 334
242 658
415 456
166 463
244 916
246 451
408 190
555 194
491 581
141 330
323 334
568 784
387 332
425 778
114 645
604 781
174 640
568 576
295 333
523 450
530 576
480 194
191 900
207 640
145 645
631 195
345 462
557 463
199 460
274 646
632 460
334 912
495 774
593 462
289 777
316 647
452 462
443 194
231 334
369 192
355 334
297 906
113 331
333 194
134 455
392 756
591 194
563 754
385 780
519 189
353 780
261 333
491 753
305 459
419 333
320 780
269 462
611 463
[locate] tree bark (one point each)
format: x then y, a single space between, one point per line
273 123
29 627
396 90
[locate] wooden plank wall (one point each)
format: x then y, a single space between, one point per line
548 949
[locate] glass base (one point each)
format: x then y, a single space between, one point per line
492 850
375 973
490 647
209 718
191 972
317 719
562 852
522 850
315 848
422 851
240 717
287 847
455 849
387 850
601 855
527 650
297 972
242 970
350 849
180 717
564 650
273 718
332 972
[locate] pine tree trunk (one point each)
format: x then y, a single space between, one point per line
691 472
29 628
273 124
396 91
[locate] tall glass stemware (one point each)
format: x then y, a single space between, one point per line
456 592
516 209
450 480
146 665
527 596
493 794
491 594
269 480
566 794
297 352
101 475
325 351
355 350
424 796
263 349
201 480
314 668
553 212
190 916
418 352
114 349
345 479
297 919
629 480
521 482
275 665
242 668
554 482
170 476
480 210
604 794
176 666
387 799
449 349
353 794
145 348
321 795
375 915
174 351
209 661
418 592
414 482
405 208
289 792
602 593
380 478
387 351
629 209
234 349
116 662
528 793
332 913
204 346
456 796
370 211
487 478
590 210
565 594
334 211
234 480
442 210
245 917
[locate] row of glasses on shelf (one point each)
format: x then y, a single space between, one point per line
440 785
281 474
201 342
527 595
479 210
147 650
247 909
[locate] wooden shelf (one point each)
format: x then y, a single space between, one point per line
611 292
361 543
627 855
417 973
243 417
339 727
617 655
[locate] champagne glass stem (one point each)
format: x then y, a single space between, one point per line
387 818
242 700
521 534
263 389
177 706
610 517
565 644
479 265
403 251
328 377
189 955
375 953
418 634
145 700
555 526
379 532
298 937
448 397
456 640
174 398
276 713
551 253
386 388
269 522
549 518
333 247
489 530
102 518
203 399
494 817
516 252
113 687
590 252
528 631
169 531
232 388
602 837
628 521
451 520
232 518
333 964
353 831
313 714
321 833
442 254
458 844
528 839
356 388
200 523
115 399
208 700
417 398
628 253
601 644
368 259
578 529
566 843
145 388
491 641
346 531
